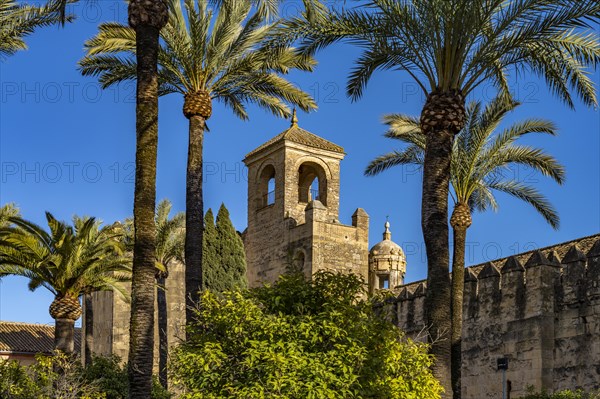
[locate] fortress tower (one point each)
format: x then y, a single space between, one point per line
293 206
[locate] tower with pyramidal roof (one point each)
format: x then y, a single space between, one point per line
293 207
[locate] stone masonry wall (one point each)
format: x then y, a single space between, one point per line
541 309
112 313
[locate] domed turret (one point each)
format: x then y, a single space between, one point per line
387 263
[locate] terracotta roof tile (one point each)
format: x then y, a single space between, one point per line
30 338
298 135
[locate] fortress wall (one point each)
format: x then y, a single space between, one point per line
540 309
112 313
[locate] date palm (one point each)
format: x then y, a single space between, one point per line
482 161
206 55
170 236
18 20
69 261
450 48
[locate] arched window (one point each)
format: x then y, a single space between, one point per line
299 259
312 183
266 187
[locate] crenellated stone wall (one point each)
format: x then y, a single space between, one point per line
541 309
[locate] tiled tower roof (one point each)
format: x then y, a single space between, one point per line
298 135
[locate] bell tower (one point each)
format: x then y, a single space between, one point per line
293 190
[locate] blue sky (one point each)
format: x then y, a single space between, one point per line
68 147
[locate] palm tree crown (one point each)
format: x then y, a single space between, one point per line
20 20
458 45
68 260
481 157
223 54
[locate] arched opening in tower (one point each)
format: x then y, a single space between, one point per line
312 183
266 187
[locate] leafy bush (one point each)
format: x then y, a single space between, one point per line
59 376
299 339
50 377
566 394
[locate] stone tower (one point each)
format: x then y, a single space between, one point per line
387 263
293 205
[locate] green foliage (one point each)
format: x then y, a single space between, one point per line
103 379
300 339
211 273
18 20
463 44
566 394
223 259
112 379
8 211
222 51
69 260
231 252
50 377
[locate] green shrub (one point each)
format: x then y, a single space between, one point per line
566 394
50 377
299 339
62 377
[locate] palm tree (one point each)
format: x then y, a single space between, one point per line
206 56
146 19
480 157
18 20
449 48
69 261
170 237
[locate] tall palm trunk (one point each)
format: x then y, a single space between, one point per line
147 18
163 340
441 119
460 222
89 329
65 310
197 108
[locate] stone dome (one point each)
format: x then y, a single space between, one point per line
387 246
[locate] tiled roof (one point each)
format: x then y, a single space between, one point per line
30 338
584 244
298 135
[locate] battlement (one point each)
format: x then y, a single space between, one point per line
541 309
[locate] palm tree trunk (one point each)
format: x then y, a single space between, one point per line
65 310
89 329
64 335
163 340
194 215
440 120
147 18
458 277
460 222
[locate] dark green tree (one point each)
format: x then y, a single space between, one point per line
211 272
230 250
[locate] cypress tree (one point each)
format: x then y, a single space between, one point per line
231 252
211 265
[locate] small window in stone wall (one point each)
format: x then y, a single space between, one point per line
271 191
266 187
299 259
384 281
